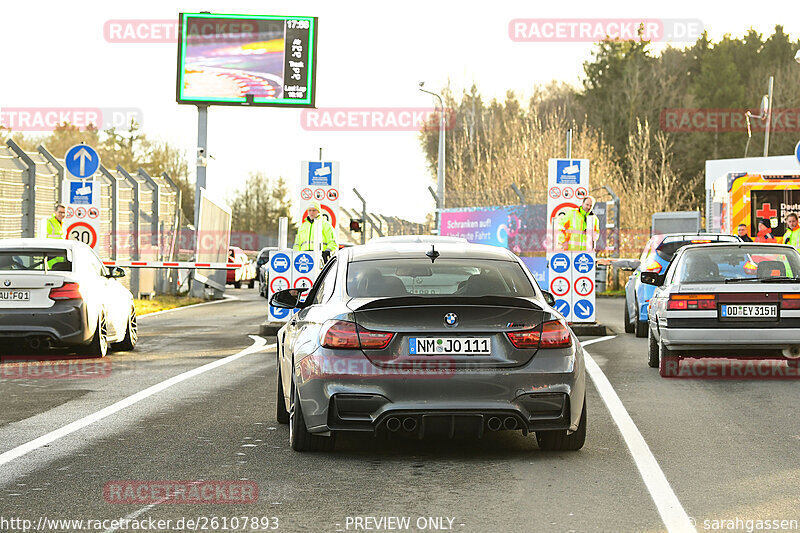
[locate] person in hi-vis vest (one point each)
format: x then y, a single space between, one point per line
578 229
55 229
304 241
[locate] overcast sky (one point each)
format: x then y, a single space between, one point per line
369 54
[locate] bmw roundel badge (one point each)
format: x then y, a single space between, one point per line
451 320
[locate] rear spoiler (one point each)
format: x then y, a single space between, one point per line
407 301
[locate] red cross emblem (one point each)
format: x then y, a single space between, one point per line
766 211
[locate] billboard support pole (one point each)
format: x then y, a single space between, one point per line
202 153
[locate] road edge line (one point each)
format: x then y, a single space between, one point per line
163 311
259 344
669 507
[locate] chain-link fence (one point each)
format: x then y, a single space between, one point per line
139 214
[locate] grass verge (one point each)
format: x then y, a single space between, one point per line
162 303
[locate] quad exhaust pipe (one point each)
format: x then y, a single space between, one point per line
410 424
510 422
393 424
37 343
494 423
792 352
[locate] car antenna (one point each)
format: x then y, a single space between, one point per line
432 253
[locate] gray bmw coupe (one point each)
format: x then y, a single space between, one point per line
423 339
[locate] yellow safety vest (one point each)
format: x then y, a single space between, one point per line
572 235
54 228
304 241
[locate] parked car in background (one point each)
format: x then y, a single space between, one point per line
58 293
655 257
725 300
244 274
262 269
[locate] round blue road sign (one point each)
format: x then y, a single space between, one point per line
584 263
82 161
304 263
559 263
280 263
279 312
583 309
797 151
562 306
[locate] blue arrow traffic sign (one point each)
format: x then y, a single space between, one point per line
280 263
584 263
562 306
82 161
304 263
278 312
583 309
559 263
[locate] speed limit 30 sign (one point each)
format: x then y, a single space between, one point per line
83 232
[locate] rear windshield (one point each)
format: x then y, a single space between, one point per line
445 277
670 245
728 263
32 261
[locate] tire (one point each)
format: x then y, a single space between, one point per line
626 320
252 283
131 334
641 328
559 441
280 410
652 349
667 363
237 284
98 346
299 437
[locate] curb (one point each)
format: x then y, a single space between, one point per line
589 330
268 329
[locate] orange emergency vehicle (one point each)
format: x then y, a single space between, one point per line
742 198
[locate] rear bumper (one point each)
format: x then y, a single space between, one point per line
545 394
723 340
64 323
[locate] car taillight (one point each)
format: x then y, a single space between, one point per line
341 334
553 334
526 339
653 266
374 340
68 291
686 302
790 301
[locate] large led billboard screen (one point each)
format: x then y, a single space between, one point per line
258 60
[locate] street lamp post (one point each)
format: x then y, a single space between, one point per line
440 169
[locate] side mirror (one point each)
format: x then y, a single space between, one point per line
652 278
116 272
549 298
287 299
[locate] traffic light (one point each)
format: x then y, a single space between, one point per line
355 225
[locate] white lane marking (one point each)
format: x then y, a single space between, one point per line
135 514
259 344
156 313
672 512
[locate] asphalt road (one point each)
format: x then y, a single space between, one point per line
728 449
